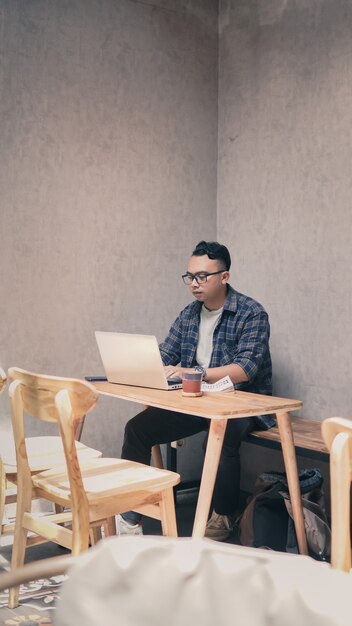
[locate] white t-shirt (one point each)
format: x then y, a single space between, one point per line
208 322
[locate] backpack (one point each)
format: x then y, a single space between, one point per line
267 520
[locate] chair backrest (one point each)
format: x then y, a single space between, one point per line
2 380
337 433
39 393
52 399
332 426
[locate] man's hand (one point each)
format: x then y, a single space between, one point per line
176 371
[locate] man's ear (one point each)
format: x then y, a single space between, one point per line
225 277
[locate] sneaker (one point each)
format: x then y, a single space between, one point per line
123 527
219 527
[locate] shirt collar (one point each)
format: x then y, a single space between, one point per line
230 303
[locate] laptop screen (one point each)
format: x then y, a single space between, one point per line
131 359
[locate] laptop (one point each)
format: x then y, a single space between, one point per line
133 360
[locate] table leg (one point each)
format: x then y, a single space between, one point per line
289 454
210 468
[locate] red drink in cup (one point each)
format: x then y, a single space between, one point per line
191 383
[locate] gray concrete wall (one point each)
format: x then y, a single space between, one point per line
108 149
284 185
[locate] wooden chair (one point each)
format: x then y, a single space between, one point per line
337 433
3 379
94 490
43 452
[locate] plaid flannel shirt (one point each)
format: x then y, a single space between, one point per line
240 337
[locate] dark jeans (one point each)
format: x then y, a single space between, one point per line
154 426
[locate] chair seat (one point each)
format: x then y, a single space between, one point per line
44 452
105 478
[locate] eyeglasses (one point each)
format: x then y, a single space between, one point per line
201 277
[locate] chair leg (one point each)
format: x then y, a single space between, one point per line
80 526
95 535
109 526
167 513
80 539
19 544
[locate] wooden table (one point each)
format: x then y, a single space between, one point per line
219 407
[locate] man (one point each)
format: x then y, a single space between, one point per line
222 333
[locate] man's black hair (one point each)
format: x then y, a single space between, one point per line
213 250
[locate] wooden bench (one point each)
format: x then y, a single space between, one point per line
306 434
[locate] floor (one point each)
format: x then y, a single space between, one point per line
37 612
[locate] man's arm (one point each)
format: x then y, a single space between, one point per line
253 345
213 374
170 348
234 371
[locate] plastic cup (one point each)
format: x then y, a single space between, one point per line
192 383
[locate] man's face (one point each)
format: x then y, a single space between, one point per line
213 289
